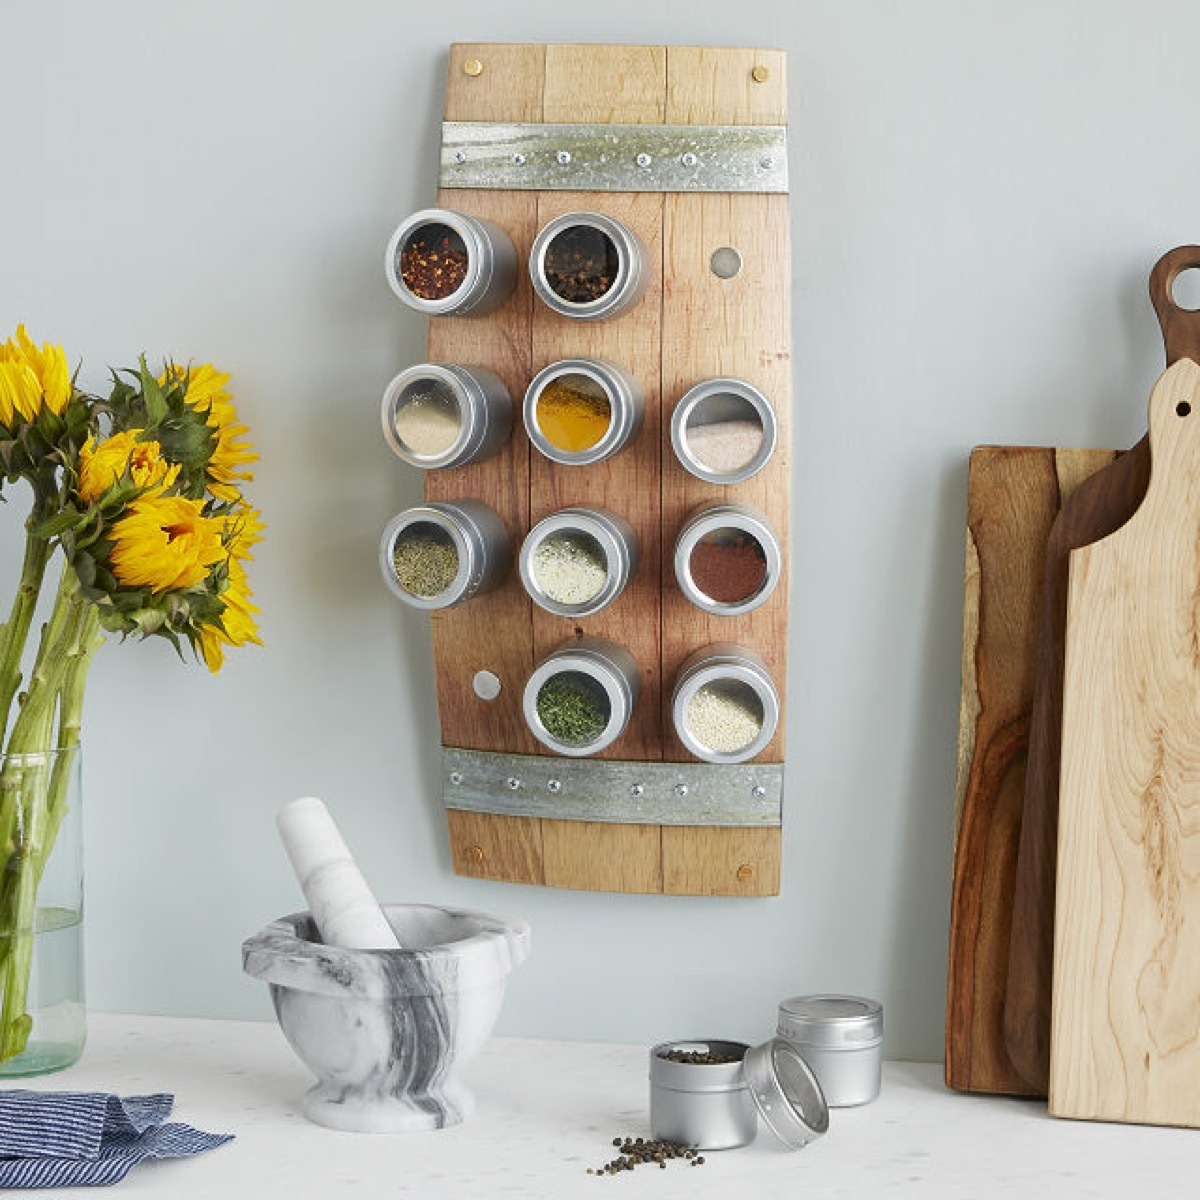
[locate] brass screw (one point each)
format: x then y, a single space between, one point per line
760 74
475 854
745 873
472 67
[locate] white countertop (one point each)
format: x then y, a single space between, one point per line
546 1111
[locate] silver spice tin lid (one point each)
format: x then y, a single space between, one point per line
607 670
786 1092
622 392
479 539
597 534
721 524
734 407
629 265
834 1022
471 397
725 674
491 269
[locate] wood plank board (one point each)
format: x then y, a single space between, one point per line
749 336
1125 1034
1014 494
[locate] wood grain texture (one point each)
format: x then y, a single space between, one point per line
1012 498
747 334
720 862
492 846
1125 1034
605 85
507 87
1103 505
706 86
1100 504
601 857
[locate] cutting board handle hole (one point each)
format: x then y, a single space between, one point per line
1185 289
1183 408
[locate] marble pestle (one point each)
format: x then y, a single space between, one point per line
343 907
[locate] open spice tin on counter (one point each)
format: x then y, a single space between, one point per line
710 1094
582 410
437 555
725 706
727 559
442 415
445 263
578 701
723 430
841 1039
578 560
588 266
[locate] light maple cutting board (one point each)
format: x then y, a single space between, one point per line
1125 1021
1013 496
1104 503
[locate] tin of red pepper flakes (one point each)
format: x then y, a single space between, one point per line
433 262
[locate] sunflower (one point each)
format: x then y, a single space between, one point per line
32 377
165 542
102 466
236 626
205 392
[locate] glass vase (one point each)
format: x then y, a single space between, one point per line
43 1021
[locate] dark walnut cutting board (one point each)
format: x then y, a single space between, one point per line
1014 494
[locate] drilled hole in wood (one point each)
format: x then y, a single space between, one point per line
745 873
1185 289
1183 408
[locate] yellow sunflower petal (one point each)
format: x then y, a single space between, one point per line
236 626
165 542
102 466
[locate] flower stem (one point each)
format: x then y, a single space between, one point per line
15 630
34 792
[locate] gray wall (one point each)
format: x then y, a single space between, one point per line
979 193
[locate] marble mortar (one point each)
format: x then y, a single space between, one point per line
385 1031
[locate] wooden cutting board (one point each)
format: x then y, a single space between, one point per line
1100 506
1013 496
1125 1031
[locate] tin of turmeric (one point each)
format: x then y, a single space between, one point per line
573 415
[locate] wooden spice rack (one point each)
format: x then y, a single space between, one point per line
619 821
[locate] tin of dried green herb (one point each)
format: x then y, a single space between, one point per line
570 711
425 566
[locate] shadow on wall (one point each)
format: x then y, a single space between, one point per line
918 946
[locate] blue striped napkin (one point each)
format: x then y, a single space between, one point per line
71 1139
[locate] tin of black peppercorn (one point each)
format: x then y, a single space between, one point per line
710 1094
588 266
445 263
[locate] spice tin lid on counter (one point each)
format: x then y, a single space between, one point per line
588 266
445 263
725 707
578 701
727 559
582 410
786 1092
578 560
433 556
439 415
723 430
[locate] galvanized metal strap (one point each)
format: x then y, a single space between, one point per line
614 158
635 793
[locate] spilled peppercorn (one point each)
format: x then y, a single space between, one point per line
637 1152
